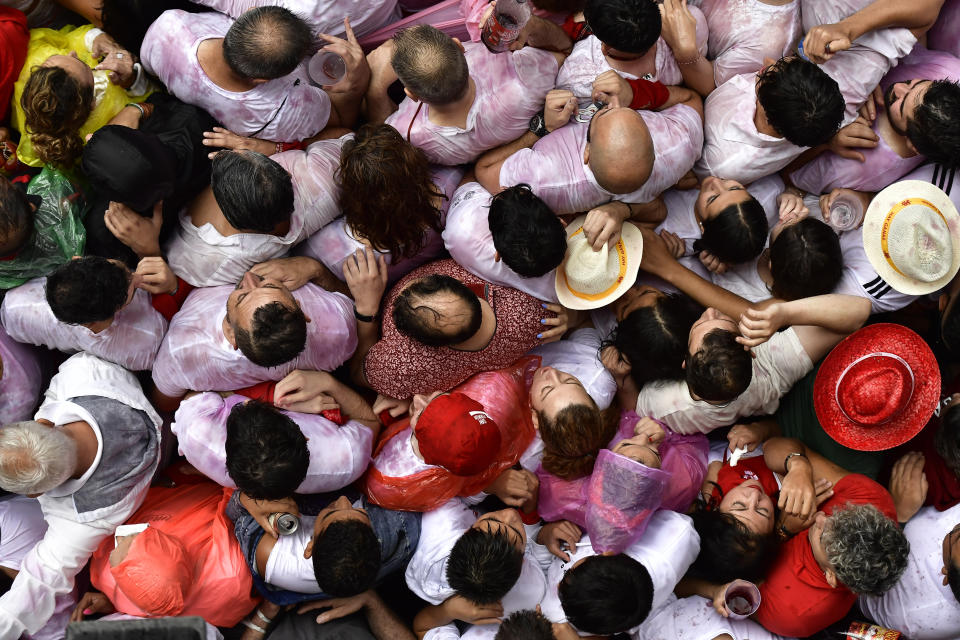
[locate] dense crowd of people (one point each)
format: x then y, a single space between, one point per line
396 319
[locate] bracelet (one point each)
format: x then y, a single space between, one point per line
279 147
143 113
786 461
362 318
683 63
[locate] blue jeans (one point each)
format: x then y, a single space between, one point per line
397 531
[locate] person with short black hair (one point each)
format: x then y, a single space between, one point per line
472 568
609 594
462 99
266 332
91 304
525 625
915 109
250 74
512 238
789 105
273 203
718 368
268 452
639 39
343 547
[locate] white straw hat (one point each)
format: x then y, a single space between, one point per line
589 279
911 234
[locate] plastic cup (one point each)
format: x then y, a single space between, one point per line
742 599
846 213
326 68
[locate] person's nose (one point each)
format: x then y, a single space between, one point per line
900 90
249 281
711 314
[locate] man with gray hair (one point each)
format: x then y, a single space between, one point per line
89 455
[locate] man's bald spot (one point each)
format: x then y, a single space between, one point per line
621 150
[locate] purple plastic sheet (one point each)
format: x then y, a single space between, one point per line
621 497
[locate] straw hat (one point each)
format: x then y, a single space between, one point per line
877 388
589 279
911 234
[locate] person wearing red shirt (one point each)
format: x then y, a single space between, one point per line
15 37
851 545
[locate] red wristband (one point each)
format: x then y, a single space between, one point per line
648 94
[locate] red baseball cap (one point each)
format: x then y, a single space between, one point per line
454 432
877 388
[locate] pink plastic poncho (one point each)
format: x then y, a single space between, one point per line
621 497
504 396
684 457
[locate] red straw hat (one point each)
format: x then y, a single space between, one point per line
877 388
454 432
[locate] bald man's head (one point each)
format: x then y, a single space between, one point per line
619 150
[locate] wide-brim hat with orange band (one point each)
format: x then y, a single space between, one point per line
588 279
877 388
911 234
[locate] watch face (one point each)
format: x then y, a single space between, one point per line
536 122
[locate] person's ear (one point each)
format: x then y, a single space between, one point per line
460 44
911 147
306 317
308 550
586 154
831 578
230 335
411 95
536 418
259 81
496 258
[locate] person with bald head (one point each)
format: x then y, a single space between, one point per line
574 164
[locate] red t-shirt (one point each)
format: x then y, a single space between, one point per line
796 600
753 468
15 37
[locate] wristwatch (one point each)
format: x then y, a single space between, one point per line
538 126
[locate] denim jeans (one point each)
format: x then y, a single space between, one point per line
397 531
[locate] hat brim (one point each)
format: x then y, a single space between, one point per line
889 338
633 246
873 226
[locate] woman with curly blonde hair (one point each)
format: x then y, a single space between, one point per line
65 92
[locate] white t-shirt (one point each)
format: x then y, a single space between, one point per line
285 109
131 340
555 171
919 605
510 88
468 239
779 364
21 527
682 221
694 618
733 149
587 61
579 355
440 529
667 548
205 258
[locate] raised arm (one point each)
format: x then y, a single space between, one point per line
823 42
